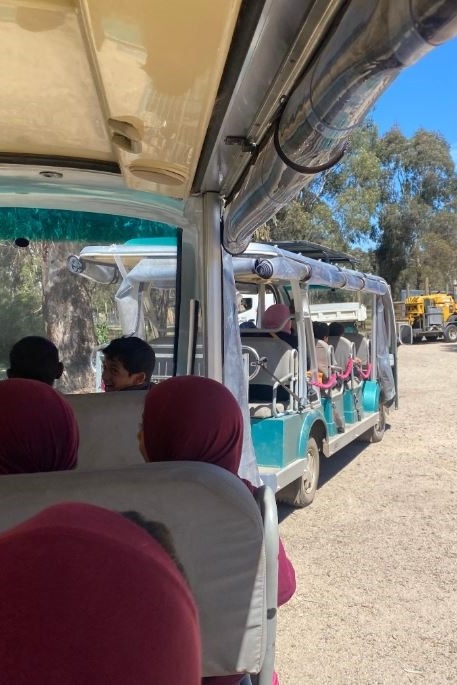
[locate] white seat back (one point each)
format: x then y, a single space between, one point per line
325 358
362 346
278 354
343 350
108 426
281 361
217 529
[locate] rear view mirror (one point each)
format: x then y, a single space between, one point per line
404 334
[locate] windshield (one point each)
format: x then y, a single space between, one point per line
55 285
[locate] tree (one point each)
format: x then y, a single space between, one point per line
68 314
417 209
352 188
337 208
391 199
20 299
307 217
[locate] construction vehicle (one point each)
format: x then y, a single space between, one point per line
432 316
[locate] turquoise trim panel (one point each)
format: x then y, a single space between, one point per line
278 441
310 421
81 226
353 405
329 417
371 393
154 242
334 413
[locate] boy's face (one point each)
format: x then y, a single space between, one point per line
116 377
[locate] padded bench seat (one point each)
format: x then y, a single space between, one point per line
218 533
108 427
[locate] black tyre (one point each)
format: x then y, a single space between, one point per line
376 432
300 493
450 333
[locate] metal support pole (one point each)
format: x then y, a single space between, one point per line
212 279
374 338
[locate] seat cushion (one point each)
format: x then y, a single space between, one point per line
260 410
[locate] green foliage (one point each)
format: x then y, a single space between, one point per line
102 332
417 212
306 218
104 312
353 187
20 297
392 201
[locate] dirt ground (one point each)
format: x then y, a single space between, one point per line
376 553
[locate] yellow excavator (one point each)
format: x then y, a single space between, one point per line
432 316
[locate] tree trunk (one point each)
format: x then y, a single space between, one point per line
68 317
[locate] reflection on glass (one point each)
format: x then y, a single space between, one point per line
42 291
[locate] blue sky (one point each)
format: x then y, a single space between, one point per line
423 96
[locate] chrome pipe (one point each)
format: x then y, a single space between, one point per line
374 41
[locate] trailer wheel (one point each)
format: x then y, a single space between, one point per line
300 493
376 432
450 333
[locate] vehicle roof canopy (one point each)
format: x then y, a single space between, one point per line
261 263
135 106
315 251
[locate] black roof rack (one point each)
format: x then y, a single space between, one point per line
314 250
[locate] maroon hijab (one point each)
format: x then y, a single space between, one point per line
275 316
197 419
193 419
89 597
38 429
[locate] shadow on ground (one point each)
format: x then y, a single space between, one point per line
449 347
329 468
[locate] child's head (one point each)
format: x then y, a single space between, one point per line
38 428
129 362
36 358
190 418
62 572
336 329
277 315
321 330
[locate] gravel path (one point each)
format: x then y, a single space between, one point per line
376 553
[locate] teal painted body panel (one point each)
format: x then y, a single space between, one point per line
329 417
371 392
353 405
278 441
310 420
334 412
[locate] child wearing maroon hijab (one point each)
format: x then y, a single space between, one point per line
38 429
279 315
89 598
209 429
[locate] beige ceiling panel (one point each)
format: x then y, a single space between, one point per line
159 64
49 104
